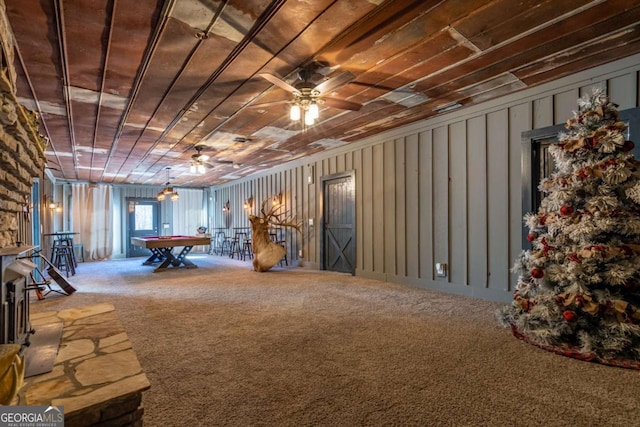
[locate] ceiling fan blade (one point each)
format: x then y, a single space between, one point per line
334 82
342 104
278 82
268 104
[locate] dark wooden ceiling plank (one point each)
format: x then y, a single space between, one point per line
168 59
585 57
37 41
502 20
562 35
132 27
85 36
364 34
431 65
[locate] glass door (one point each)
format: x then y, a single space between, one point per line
143 219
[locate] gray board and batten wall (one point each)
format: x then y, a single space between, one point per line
445 190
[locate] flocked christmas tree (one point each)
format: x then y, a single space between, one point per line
578 290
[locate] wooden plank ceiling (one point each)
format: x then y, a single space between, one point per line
126 89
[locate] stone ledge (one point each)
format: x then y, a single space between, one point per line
96 377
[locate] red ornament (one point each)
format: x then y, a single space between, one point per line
569 315
575 258
537 273
566 210
543 219
531 237
627 146
583 174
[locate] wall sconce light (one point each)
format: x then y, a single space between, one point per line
277 200
248 204
226 207
55 207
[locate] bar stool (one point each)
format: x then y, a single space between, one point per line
63 256
247 249
235 246
224 243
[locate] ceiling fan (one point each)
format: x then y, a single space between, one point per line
308 96
201 162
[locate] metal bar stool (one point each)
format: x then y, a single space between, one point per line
63 256
247 249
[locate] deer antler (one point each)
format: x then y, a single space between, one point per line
287 221
272 217
267 216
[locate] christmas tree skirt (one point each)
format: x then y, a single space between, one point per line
576 354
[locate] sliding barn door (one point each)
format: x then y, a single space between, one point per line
339 214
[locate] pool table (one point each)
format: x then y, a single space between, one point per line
161 248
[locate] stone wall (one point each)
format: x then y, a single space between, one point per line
96 376
21 145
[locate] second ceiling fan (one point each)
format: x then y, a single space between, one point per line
201 162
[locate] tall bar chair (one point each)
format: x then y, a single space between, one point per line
63 256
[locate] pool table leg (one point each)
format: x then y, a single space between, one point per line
175 261
156 256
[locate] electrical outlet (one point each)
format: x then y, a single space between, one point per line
300 253
311 222
441 269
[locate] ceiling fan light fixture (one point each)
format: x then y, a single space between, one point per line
308 118
295 113
314 111
197 167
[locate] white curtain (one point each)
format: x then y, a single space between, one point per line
92 213
188 212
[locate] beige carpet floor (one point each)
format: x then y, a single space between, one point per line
225 346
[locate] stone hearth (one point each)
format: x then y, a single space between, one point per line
96 376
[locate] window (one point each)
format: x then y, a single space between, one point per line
537 163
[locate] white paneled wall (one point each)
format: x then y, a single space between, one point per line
442 190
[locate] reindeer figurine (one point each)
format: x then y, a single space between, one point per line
266 252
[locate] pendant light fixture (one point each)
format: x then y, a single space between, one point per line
168 191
